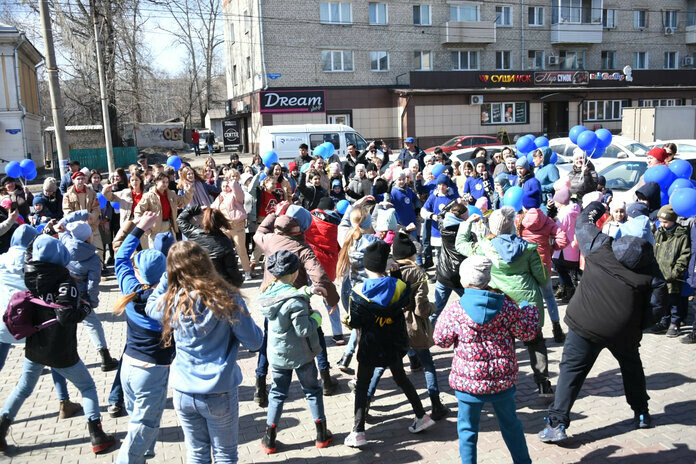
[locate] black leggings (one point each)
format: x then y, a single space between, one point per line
365 372
566 270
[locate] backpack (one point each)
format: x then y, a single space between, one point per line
20 313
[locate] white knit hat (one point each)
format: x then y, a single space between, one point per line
475 271
386 220
502 221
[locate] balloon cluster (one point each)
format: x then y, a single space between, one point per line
593 143
528 144
26 169
676 187
325 150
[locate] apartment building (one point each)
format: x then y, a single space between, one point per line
433 69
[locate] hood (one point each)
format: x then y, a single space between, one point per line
12 262
546 151
50 250
275 296
481 305
451 220
637 227
301 215
570 210
509 246
651 192
535 220
632 252
79 250
23 235
380 290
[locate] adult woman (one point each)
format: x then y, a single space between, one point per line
207 319
104 229
202 191
209 172
360 186
546 172
583 177
320 166
122 182
21 199
281 184
257 164
128 198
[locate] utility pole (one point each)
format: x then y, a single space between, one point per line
54 89
102 91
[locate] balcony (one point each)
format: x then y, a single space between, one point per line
576 33
467 32
691 35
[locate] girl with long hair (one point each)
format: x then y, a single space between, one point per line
231 204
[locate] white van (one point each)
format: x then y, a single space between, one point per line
285 140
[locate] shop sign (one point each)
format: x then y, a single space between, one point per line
561 78
506 78
230 134
292 101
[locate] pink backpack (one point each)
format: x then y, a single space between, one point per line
20 313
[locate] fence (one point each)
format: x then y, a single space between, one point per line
95 158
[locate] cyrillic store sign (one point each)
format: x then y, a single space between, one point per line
292 101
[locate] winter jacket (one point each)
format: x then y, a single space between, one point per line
293 340
322 238
531 184
450 259
151 202
405 203
566 222
73 201
547 174
232 204
358 188
66 182
20 201
517 270
125 199
582 182
218 245
483 325
478 187
535 227
85 266
376 309
53 204
673 252
418 308
309 194
434 205
406 156
651 193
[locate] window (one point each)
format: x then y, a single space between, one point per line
248 63
640 19
609 18
566 11
378 13
640 60
603 110
691 15
421 15
671 19
662 102
422 61
572 59
246 21
671 60
504 113
537 58
234 74
503 16
503 60
317 139
379 61
353 138
337 61
535 16
335 13
465 61
608 59
464 13
230 32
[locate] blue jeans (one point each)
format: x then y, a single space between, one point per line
209 421
426 360
58 380
550 300
78 376
210 148
196 148
426 233
145 393
116 394
335 320
469 416
309 381
352 344
442 294
262 363
95 330
678 310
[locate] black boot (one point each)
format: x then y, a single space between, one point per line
558 335
268 442
344 363
439 410
108 363
329 384
4 427
569 292
416 365
100 441
260 394
324 436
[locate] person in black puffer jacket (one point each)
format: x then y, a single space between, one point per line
650 195
8 224
449 219
213 240
47 277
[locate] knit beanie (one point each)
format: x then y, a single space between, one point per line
636 209
151 265
502 221
443 179
403 247
502 179
282 262
522 163
531 198
479 160
482 204
386 220
590 197
79 230
326 203
375 256
39 200
475 271
667 213
660 154
562 197
617 205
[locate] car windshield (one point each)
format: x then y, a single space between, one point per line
451 142
624 175
637 149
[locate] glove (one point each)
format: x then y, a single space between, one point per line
317 317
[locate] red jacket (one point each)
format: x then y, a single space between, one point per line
195 137
322 238
536 227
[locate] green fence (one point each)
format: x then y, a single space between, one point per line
95 158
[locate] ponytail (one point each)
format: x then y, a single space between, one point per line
357 216
122 302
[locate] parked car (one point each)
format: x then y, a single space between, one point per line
683 145
563 163
203 133
620 148
465 141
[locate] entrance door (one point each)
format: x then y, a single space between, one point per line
342 118
556 119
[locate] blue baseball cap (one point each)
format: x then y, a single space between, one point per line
410 140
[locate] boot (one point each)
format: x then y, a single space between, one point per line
344 363
68 409
108 363
328 383
4 427
569 292
558 335
416 365
268 442
260 394
324 436
439 410
100 441
560 292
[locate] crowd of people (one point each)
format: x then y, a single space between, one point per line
367 236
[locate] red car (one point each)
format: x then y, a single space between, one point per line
465 141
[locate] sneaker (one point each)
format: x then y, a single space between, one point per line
338 340
247 276
657 328
421 424
691 338
673 331
642 420
116 410
355 440
552 434
352 384
545 390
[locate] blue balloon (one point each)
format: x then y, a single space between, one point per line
28 166
116 205
175 162
554 158
269 157
319 150
31 175
525 144
437 169
513 197
40 227
683 202
13 169
328 150
474 210
342 206
603 138
664 198
598 152
660 175
681 168
587 141
263 175
575 132
102 200
530 158
679 183
305 167
541 142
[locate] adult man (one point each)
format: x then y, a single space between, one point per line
353 158
304 155
142 161
66 180
411 151
210 141
195 140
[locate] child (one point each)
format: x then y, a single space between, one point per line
483 326
566 260
617 209
337 193
360 186
41 214
311 194
442 196
376 310
386 225
293 342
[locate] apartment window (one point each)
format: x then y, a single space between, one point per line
335 13
503 16
609 18
337 61
379 61
465 61
378 13
640 19
640 60
503 60
248 63
234 74
537 58
465 13
691 15
247 21
422 61
535 16
662 102
572 59
671 60
671 19
608 59
421 15
566 11
603 110
230 32
504 113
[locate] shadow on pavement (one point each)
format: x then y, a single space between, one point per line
681 453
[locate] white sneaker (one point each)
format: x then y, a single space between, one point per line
355 439
247 276
421 424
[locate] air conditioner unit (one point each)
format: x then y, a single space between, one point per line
688 61
476 99
553 60
669 30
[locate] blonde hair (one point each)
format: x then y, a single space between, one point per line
357 216
122 302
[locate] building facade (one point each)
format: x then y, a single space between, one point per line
433 69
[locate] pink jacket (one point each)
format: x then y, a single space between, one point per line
566 222
536 227
484 359
232 204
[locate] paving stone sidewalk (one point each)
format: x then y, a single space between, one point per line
601 431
